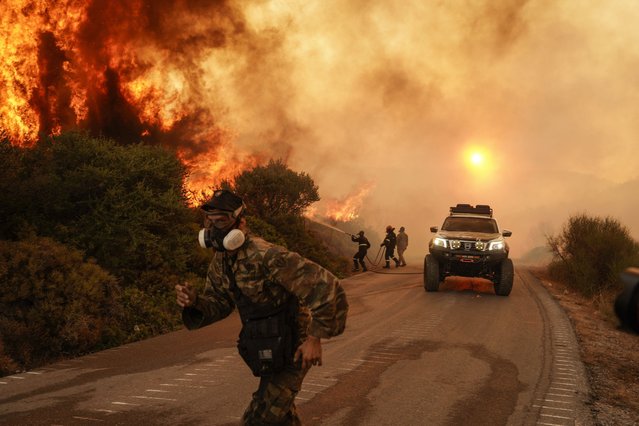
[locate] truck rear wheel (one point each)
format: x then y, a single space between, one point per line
506 275
431 273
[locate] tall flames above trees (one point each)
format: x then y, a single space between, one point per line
128 70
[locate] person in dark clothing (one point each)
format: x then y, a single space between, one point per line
389 242
364 245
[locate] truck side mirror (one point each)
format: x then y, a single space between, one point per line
507 233
433 229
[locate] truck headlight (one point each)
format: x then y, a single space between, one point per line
440 242
480 245
496 245
455 244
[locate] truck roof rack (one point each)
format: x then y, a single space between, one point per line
481 209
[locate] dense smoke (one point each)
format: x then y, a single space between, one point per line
389 96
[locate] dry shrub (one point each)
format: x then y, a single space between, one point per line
590 253
54 303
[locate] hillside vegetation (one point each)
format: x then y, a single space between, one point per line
589 255
95 235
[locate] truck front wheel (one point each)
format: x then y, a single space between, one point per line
431 273
506 275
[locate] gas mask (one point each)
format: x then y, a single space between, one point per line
223 214
221 239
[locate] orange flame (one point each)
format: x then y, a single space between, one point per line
127 70
347 209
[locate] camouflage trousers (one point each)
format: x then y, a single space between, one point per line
273 402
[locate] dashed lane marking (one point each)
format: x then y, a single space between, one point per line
554 400
548 407
315 384
153 397
184 386
556 417
124 403
91 419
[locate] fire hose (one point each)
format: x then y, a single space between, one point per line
378 258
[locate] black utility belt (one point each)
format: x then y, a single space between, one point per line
268 344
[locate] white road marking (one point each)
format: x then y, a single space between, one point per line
124 403
554 400
153 397
104 410
87 418
552 408
370 360
315 384
556 417
563 389
33 372
156 390
564 383
186 386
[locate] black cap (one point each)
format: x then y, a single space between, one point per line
225 200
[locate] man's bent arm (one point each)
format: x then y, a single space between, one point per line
317 289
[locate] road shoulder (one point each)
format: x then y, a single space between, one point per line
610 355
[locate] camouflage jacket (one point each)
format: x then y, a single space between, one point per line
267 273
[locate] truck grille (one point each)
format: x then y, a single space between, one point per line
469 246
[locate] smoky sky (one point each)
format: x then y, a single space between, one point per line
386 95
396 93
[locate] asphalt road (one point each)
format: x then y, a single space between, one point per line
456 357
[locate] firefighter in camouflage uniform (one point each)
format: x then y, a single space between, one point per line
287 305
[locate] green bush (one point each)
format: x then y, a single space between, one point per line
125 207
122 205
275 190
276 197
590 253
54 303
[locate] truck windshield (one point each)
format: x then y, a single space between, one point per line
470 224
